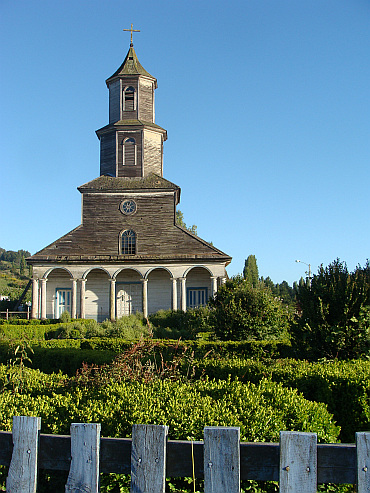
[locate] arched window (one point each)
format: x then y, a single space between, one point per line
128 242
129 99
129 152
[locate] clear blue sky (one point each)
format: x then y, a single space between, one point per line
266 104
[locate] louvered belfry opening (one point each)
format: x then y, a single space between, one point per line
129 146
130 99
128 242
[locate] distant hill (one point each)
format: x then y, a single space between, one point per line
14 276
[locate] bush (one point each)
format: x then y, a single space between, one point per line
185 407
175 324
343 385
243 312
335 313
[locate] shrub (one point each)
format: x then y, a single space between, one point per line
343 385
243 312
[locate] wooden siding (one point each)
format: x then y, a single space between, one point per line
146 94
152 153
159 291
114 101
97 295
108 154
153 223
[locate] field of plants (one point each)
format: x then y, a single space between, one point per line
119 374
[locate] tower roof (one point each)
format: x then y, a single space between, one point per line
130 66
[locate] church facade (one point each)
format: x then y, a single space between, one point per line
128 254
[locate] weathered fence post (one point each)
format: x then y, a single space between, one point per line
22 476
298 462
363 462
85 451
221 459
148 458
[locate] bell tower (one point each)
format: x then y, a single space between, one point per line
131 145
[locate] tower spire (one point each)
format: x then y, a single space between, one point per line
132 30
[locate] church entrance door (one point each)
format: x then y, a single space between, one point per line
63 301
129 298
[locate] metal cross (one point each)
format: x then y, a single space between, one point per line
132 31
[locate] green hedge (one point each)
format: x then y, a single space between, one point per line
248 349
260 410
343 385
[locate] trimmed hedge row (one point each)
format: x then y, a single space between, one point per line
343 385
260 410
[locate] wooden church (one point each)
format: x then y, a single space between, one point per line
128 254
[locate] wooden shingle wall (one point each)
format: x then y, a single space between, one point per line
114 101
146 94
108 154
152 153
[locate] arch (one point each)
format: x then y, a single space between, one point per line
127 242
196 267
49 271
159 267
129 99
87 272
127 268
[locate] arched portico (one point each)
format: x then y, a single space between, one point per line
58 292
159 290
131 295
198 285
95 295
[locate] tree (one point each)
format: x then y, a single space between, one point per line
180 221
334 319
250 271
243 312
22 266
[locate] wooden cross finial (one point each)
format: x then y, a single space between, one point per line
132 31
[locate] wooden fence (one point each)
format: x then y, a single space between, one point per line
17 314
297 462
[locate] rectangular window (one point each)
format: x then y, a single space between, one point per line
196 297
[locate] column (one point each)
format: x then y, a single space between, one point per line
35 298
214 285
145 297
112 305
74 299
174 293
82 300
223 280
183 294
43 299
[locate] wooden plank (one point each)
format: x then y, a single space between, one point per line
85 450
22 475
363 462
221 459
298 462
258 461
148 458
